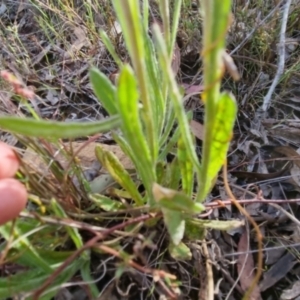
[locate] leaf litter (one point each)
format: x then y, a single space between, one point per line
55 64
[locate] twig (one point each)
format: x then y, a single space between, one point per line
290 216
281 53
285 246
209 274
220 203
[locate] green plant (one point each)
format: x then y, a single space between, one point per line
148 100
146 106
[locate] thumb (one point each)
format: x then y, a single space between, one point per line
13 199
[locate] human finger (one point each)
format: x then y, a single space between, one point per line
13 199
9 163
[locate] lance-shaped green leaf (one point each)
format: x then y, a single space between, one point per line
123 145
104 90
173 219
173 175
157 86
128 101
176 98
106 203
180 251
217 145
175 201
175 223
109 46
217 224
129 16
186 168
118 172
170 144
216 20
175 21
56 130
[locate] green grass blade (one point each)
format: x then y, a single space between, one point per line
164 7
85 271
72 232
106 203
109 46
50 129
175 21
104 90
23 245
146 14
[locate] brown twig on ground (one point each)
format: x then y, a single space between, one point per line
216 203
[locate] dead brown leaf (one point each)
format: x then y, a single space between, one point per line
245 267
197 129
81 40
193 89
86 156
278 271
176 60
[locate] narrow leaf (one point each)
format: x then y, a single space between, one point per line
129 16
117 171
24 246
104 90
173 175
217 142
175 201
109 46
132 128
176 97
175 224
186 168
106 203
180 251
50 129
217 224
72 232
